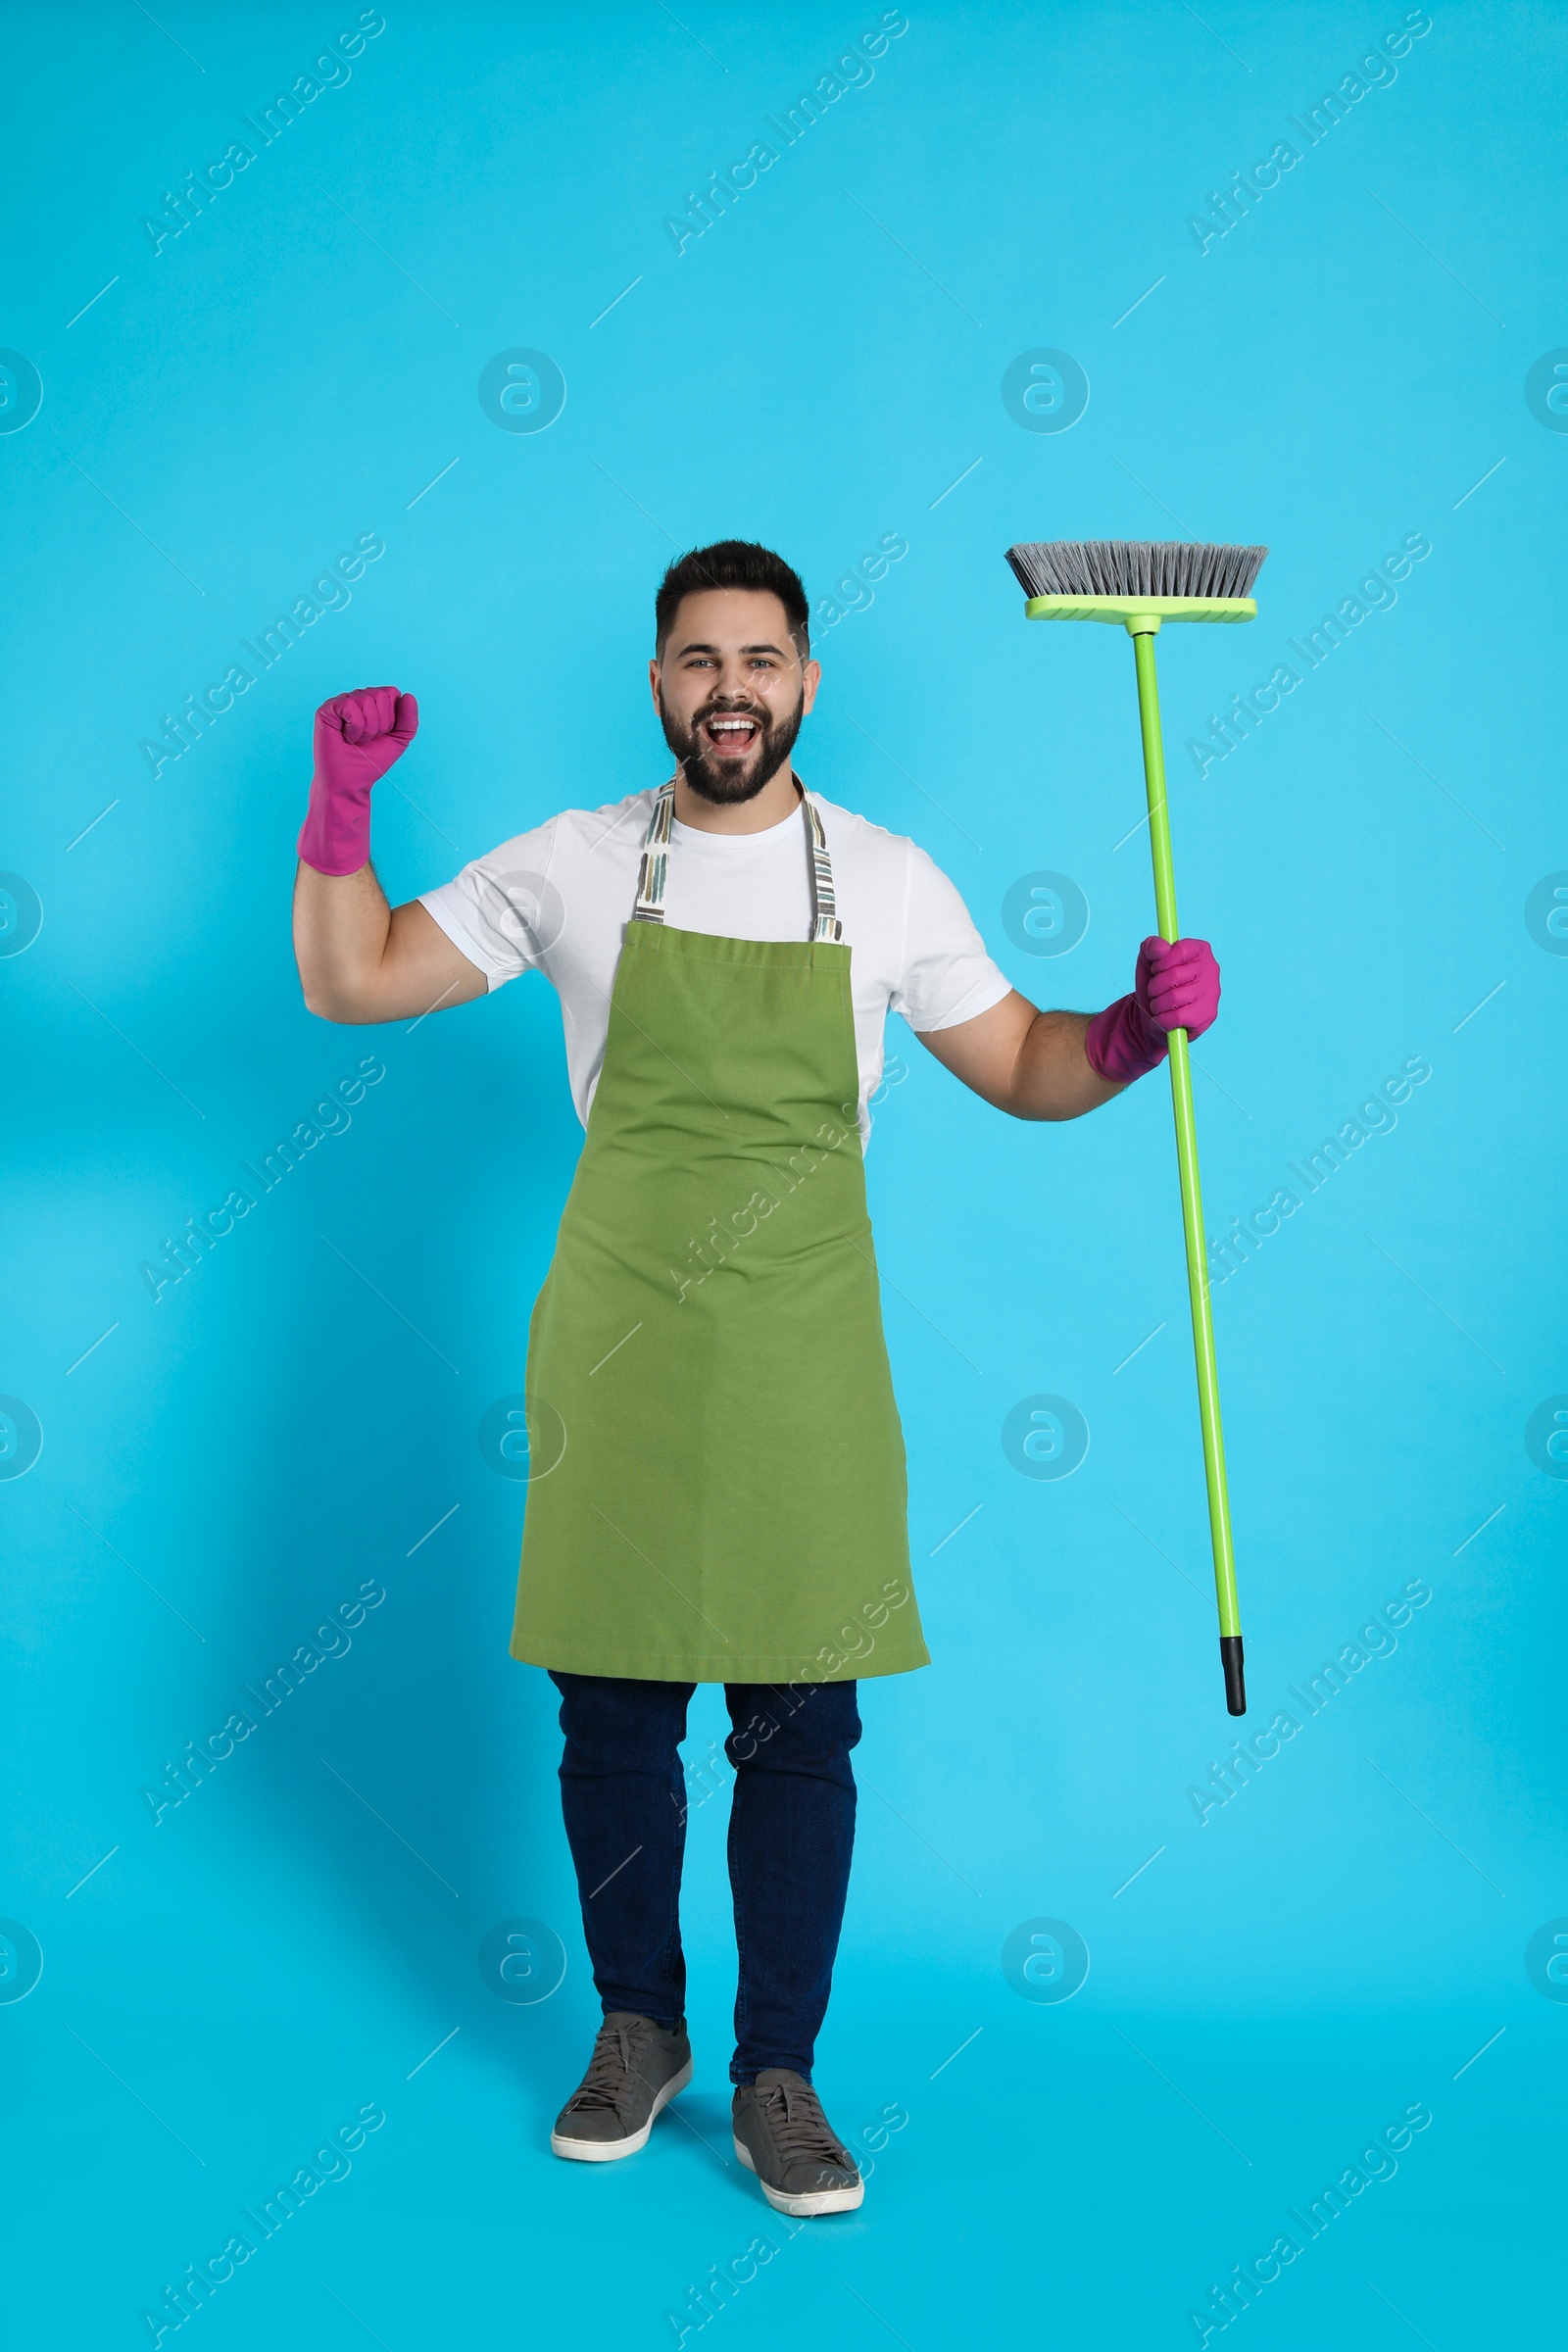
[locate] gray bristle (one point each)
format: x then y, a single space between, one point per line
1134 568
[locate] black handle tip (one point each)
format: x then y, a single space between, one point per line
1230 1655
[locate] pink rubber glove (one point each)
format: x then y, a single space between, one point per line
358 736
1177 987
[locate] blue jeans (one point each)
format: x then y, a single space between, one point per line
791 1834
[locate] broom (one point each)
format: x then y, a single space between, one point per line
1142 583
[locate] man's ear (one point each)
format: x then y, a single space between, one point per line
653 685
810 679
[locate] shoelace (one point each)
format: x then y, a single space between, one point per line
605 2083
800 2128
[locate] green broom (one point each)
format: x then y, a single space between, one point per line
1142 583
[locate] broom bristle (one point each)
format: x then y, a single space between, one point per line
1134 568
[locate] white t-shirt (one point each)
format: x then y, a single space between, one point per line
558 900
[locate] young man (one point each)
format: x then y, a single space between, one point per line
717 1475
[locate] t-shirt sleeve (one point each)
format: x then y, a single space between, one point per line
947 975
503 911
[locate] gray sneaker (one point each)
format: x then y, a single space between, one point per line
782 2135
637 2068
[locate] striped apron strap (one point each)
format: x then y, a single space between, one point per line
825 923
654 869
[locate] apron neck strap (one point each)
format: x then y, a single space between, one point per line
652 871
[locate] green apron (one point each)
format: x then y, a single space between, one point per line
716 1481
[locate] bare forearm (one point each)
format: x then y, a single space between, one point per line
1052 1077
1029 1063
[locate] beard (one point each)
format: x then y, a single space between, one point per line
729 783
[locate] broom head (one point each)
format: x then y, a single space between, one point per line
1135 579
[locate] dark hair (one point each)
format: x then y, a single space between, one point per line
733 563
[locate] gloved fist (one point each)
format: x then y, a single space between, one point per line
1178 983
357 737
1177 987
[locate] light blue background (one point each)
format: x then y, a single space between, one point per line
229 1463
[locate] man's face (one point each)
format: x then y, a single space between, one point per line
731 691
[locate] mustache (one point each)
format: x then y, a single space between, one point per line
732 709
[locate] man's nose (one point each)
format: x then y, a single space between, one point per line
734 685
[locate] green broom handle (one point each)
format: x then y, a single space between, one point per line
1142 631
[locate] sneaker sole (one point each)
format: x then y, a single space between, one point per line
801 2205
605 2151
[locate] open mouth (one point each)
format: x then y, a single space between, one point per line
730 734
